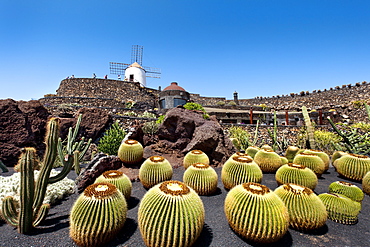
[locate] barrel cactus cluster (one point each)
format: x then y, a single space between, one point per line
353 166
268 160
130 152
195 156
119 179
347 189
154 170
297 174
312 161
202 178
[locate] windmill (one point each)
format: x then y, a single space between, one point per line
135 72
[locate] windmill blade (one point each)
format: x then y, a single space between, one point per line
118 68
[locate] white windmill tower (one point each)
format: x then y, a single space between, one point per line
135 72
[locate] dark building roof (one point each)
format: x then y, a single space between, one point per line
174 86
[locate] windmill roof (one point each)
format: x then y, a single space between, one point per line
136 65
174 86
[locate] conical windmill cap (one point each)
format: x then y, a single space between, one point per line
136 65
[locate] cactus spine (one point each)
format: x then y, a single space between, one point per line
268 160
256 213
202 178
33 193
154 170
238 170
296 174
161 215
306 210
98 215
118 179
353 166
312 161
195 156
130 152
366 183
347 189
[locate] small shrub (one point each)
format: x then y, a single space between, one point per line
220 103
129 104
242 137
194 106
112 139
232 103
130 114
148 115
150 127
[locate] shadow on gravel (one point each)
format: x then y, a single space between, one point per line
285 241
125 234
316 232
205 237
132 202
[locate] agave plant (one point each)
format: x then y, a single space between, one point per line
297 174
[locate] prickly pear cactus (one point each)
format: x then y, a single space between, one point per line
256 213
202 178
268 160
353 166
195 156
154 170
238 170
347 189
130 152
252 150
366 183
312 161
291 152
296 174
340 208
306 210
98 215
324 156
119 179
171 214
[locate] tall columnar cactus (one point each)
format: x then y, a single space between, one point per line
154 170
353 166
118 179
130 152
171 214
32 210
268 160
336 155
256 213
291 152
252 150
195 156
309 127
306 210
202 178
340 208
347 189
238 170
366 183
296 174
312 161
324 156
98 215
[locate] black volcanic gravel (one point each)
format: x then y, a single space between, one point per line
216 232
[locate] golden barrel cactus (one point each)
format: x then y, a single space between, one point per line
154 170
306 210
238 170
202 178
353 166
130 152
195 156
171 214
296 174
324 156
312 161
291 152
119 179
252 150
336 155
256 213
347 189
366 183
268 160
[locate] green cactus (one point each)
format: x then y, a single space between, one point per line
324 156
340 208
251 151
267 147
268 160
309 127
32 210
256 213
296 174
336 155
284 160
312 161
130 152
238 170
202 178
240 154
98 215
195 156
347 189
366 183
306 210
3 167
291 152
155 170
118 179
353 166
161 215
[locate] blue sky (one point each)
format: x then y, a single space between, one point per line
254 47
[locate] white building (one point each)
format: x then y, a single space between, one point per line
136 73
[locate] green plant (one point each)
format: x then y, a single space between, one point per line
340 208
309 127
312 161
194 106
296 174
324 156
268 160
232 103
306 210
353 166
252 150
358 103
366 183
336 155
220 103
98 215
256 213
150 127
118 179
202 178
111 139
154 170
129 104
130 113
347 189
130 152
31 208
195 156
291 152
241 137
3 167
327 141
147 115
161 215
238 170
160 119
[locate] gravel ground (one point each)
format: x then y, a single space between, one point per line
216 232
